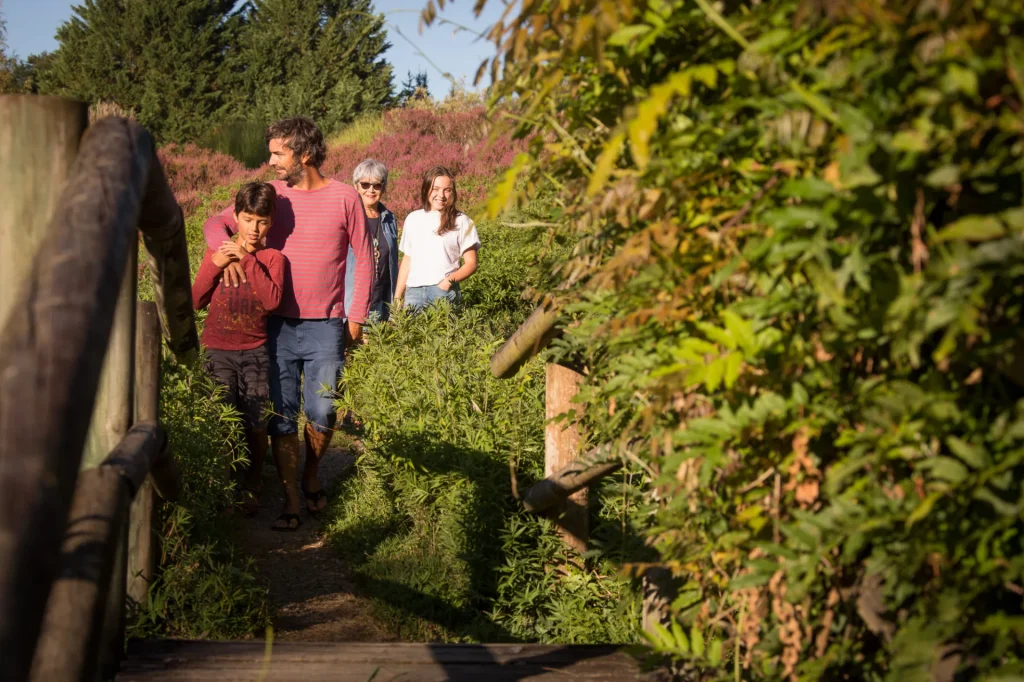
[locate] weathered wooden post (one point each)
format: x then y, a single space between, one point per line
38 143
142 533
113 413
39 139
563 445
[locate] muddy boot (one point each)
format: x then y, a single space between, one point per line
316 446
286 456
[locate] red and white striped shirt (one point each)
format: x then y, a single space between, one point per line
313 230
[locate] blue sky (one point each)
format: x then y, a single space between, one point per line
31 25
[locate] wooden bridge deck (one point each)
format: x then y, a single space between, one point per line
159 660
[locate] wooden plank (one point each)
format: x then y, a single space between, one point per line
53 345
532 336
77 630
562 447
223 661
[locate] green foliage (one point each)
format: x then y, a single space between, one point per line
163 59
203 589
797 279
243 140
320 59
429 522
359 132
508 258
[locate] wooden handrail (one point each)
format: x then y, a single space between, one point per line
83 626
556 488
532 336
54 343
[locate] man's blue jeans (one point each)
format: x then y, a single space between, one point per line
306 361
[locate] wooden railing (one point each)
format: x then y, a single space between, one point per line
570 474
69 371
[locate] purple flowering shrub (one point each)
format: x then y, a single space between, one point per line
413 141
194 172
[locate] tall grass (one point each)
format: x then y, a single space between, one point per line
429 522
204 589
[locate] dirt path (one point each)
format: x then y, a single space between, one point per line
309 586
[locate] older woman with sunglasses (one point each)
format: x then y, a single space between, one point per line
371 181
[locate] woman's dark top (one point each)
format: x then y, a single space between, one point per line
381 255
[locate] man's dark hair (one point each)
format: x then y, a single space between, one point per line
301 136
257 198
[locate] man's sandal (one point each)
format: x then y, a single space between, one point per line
313 502
287 520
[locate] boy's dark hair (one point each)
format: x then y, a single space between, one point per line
257 198
301 136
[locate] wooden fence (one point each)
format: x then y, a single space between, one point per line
570 472
82 455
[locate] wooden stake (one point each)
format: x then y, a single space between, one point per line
143 534
563 445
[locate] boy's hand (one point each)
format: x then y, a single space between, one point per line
220 260
232 250
234 275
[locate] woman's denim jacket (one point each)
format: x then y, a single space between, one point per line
389 227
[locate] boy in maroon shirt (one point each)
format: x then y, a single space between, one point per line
235 333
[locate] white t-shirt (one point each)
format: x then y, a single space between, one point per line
435 256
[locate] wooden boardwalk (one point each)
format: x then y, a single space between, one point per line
170 660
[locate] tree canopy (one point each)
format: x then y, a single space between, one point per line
186 66
316 58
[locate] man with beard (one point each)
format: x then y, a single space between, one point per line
317 220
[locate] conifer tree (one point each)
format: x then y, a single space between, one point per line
414 87
315 58
164 59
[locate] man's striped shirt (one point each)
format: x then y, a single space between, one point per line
313 229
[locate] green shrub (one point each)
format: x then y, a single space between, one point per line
798 283
429 522
244 140
202 589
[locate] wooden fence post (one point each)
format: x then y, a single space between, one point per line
115 403
38 143
143 534
39 139
562 445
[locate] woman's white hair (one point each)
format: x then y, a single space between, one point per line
371 170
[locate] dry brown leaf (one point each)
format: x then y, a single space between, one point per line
807 493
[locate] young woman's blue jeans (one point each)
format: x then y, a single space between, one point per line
306 357
420 297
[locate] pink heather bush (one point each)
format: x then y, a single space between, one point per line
417 139
193 172
414 140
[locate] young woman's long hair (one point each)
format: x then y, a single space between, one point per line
450 213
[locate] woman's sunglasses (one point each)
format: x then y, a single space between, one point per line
375 185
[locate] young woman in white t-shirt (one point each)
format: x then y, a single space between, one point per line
439 244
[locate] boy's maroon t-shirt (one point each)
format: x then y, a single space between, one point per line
238 315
